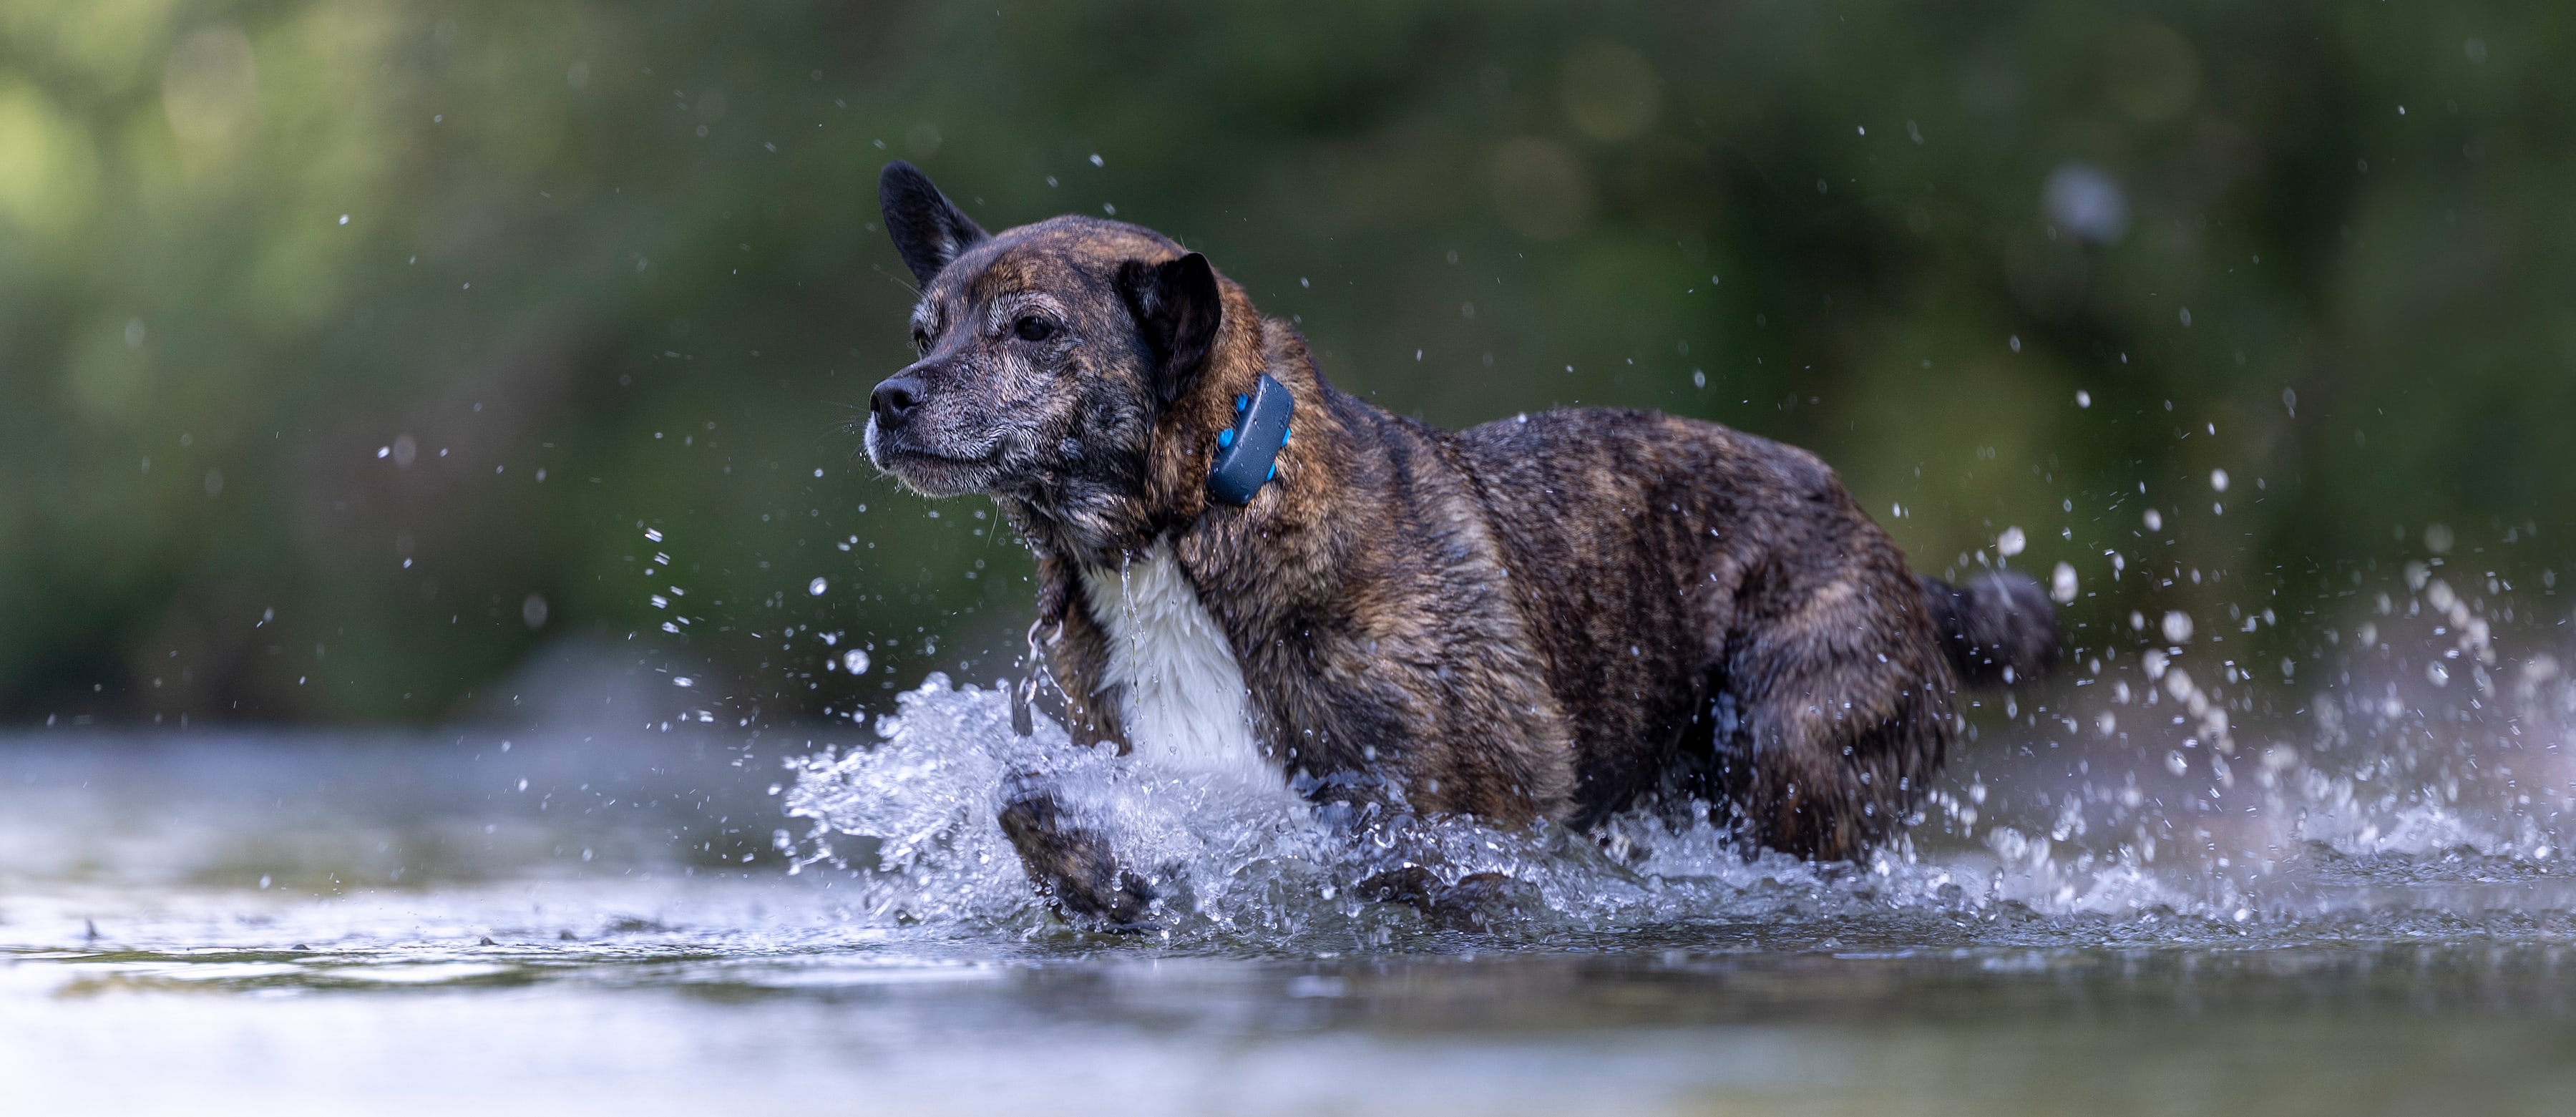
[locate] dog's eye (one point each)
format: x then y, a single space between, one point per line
1033 328
920 342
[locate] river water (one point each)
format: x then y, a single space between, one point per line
2168 882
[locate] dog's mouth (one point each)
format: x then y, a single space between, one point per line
934 473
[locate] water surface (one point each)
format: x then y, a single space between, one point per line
2173 888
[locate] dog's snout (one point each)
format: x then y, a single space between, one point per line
894 400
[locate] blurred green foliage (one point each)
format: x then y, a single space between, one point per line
348 348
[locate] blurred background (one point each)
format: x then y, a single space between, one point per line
349 350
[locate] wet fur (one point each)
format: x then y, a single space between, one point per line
1563 615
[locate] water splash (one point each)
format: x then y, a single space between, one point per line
2159 791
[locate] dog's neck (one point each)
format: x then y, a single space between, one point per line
1168 497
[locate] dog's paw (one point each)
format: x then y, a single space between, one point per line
1478 902
1127 907
1074 869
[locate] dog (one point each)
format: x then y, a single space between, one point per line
1247 575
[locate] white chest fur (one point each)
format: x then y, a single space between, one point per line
1181 694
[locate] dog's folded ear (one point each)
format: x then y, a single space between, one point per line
927 228
1177 309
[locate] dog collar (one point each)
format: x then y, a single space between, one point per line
1247 453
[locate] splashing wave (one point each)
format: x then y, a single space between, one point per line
2169 794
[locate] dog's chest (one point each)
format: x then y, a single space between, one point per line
1181 693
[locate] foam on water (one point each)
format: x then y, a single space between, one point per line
2152 790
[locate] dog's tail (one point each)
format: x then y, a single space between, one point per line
1998 628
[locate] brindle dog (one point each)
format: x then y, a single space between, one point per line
1561 616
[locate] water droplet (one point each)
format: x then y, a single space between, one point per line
2085 200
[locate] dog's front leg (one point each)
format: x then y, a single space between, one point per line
1067 654
1072 865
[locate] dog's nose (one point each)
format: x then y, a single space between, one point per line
894 400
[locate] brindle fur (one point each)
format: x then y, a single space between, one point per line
1561 616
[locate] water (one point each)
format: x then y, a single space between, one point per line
2173 884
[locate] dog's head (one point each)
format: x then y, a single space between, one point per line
1047 354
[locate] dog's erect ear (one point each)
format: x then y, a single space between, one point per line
927 229
1177 309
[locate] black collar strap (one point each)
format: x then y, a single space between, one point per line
1247 454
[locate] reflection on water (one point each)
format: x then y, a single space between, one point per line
2174 883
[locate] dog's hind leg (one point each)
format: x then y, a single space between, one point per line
1845 711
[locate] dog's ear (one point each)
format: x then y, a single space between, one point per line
1177 309
928 229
